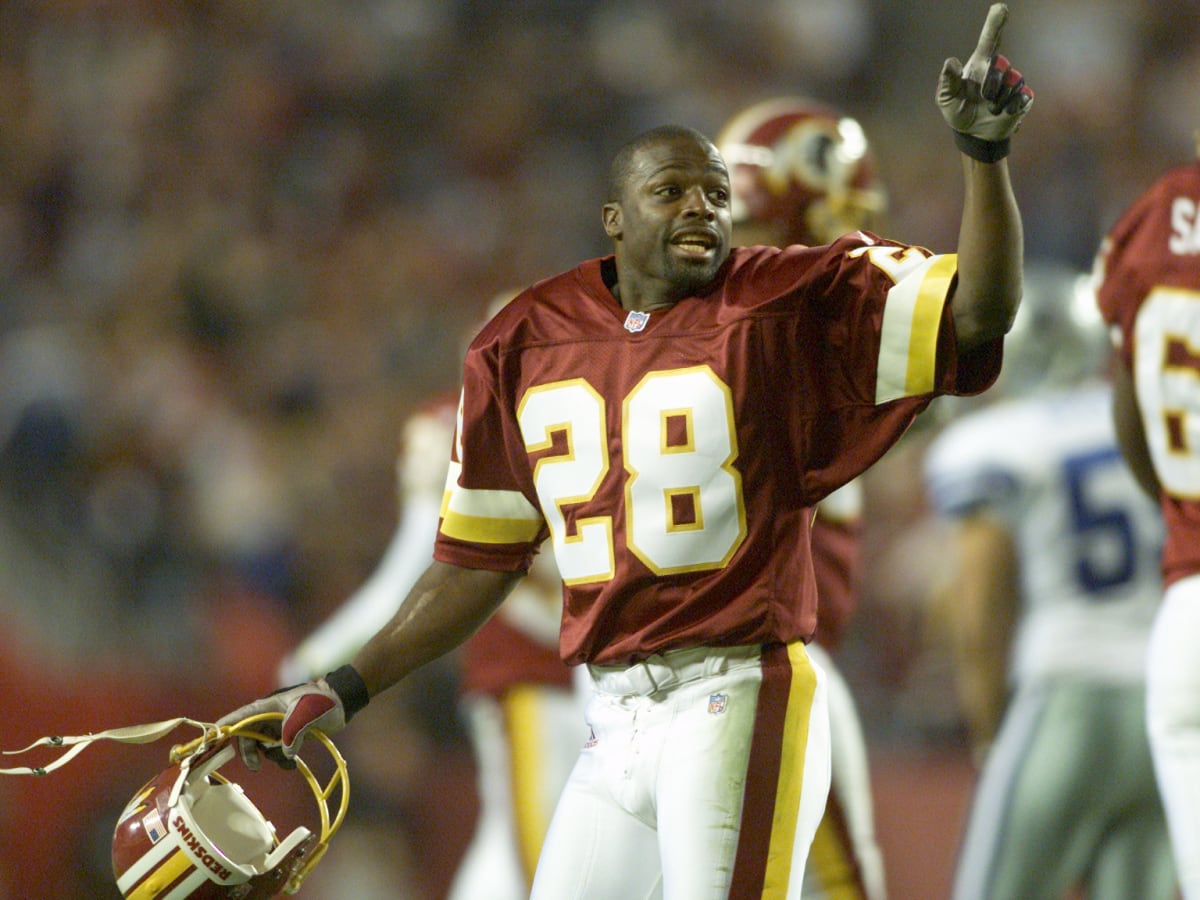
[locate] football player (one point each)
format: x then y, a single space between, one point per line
803 172
1050 606
667 417
1148 270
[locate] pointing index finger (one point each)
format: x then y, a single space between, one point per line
989 38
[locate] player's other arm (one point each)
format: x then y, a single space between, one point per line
984 608
1131 434
446 606
984 101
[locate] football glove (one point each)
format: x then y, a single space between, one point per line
984 99
325 704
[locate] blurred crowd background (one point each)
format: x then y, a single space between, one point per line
241 241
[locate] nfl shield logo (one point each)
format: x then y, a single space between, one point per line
716 704
636 321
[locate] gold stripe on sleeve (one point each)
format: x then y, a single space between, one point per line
907 362
489 517
927 316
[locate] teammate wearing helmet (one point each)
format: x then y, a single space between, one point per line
1149 276
1050 607
804 173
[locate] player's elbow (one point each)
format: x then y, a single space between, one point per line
979 320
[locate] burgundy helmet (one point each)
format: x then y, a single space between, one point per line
801 172
191 833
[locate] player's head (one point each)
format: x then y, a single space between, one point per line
1058 338
668 211
801 172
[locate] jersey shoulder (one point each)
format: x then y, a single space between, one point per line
1155 241
561 307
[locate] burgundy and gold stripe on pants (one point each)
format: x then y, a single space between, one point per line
770 812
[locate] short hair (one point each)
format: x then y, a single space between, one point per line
622 163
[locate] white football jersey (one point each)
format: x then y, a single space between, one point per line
1087 538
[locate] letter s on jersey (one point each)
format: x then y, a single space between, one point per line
1185 230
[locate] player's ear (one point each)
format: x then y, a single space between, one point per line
611 216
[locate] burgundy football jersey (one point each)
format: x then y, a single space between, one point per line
501 656
674 459
1149 269
838 567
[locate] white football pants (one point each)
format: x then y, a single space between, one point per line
703 778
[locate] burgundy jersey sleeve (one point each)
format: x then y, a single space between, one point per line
673 460
1148 289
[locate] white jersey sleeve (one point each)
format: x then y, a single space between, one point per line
421 476
1087 538
338 638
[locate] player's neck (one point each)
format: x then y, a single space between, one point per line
639 301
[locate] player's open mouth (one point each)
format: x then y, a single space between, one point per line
697 243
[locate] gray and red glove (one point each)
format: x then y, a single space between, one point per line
985 99
326 704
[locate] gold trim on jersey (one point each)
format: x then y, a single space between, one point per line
908 341
489 517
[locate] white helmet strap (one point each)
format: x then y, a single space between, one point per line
131 734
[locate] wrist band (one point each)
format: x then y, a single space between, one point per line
978 148
349 686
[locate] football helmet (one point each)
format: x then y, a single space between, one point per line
801 173
192 833
1058 338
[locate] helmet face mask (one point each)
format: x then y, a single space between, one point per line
801 174
192 833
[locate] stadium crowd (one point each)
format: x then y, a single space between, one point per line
239 243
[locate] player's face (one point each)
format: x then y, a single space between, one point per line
672 225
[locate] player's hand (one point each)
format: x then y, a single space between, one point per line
304 706
985 98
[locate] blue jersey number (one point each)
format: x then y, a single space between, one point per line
1105 552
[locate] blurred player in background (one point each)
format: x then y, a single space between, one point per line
803 173
525 721
1148 273
1050 605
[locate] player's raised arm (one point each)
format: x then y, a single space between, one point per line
984 100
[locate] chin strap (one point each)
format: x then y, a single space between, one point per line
130 734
